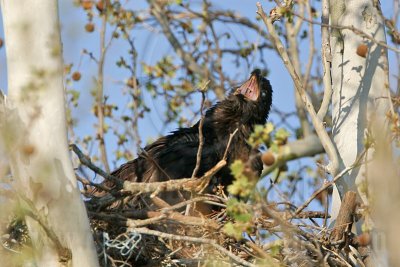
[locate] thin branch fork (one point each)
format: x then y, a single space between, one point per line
85 160
329 184
319 126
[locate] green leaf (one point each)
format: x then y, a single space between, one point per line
237 168
231 230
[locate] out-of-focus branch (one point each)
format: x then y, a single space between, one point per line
326 61
99 93
306 76
135 93
187 58
293 52
307 147
319 126
297 25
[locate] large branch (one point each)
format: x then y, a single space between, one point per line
307 147
188 184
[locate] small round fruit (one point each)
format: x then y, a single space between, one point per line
362 50
364 239
87 4
76 76
89 27
100 6
28 149
268 158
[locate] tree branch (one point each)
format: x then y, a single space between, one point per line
88 163
186 184
326 61
187 58
99 94
307 147
319 127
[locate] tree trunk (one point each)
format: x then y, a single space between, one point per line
360 85
38 147
361 101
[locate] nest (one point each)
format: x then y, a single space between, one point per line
144 230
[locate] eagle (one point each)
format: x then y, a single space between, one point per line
174 156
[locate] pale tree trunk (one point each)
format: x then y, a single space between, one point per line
37 136
360 84
361 103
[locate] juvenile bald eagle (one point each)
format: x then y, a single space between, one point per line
174 156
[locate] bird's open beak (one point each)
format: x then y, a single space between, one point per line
250 88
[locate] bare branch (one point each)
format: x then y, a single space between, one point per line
307 147
186 184
326 61
88 163
329 184
201 137
186 57
99 94
319 126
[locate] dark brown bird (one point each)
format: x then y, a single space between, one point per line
174 156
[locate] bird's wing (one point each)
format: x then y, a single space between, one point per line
172 157
176 154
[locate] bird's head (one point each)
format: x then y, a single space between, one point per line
256 96
247 105
256 88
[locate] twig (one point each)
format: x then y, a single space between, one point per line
187 58
187 202
306 76
229 143
100 88
88 163
135 93
319 127
154 216
210 242
351 28
201 137
329 184
291 36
